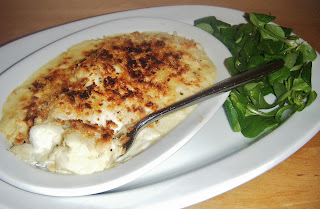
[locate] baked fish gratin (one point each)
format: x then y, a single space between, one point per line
64 117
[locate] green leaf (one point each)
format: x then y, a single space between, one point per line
276 30
254 91
244 30
220 24
255 61
253 110
249 87
289 83
206 27
249 49
232 115
290 59
279 76
299 63
298 99
255 125
228 32
264 18
312 96
309 53
280 116
241 64
296 68
245 34
270 46
208 20
239 102
306 73
293 37
256 21
300 85
267 89
283 97
274 56
266 35
230 66
287 31
279 89
221 30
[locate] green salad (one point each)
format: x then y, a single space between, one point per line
255 43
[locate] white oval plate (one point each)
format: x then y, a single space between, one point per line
214 161
23 176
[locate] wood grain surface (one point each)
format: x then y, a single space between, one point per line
295 183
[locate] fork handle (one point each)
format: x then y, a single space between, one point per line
220 87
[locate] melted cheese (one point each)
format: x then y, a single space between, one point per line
67 112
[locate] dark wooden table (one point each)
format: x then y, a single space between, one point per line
295 183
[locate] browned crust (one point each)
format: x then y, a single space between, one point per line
148 64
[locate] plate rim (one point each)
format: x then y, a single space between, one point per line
201 193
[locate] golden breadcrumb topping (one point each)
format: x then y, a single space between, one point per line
97 86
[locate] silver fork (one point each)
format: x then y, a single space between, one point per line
128 133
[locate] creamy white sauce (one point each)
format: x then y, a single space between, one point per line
45 137
77 156
149 135
54 149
